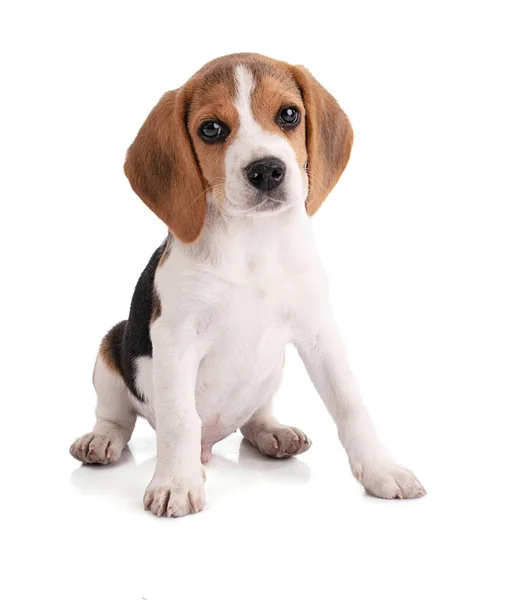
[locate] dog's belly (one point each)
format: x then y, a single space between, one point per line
231 388
239 374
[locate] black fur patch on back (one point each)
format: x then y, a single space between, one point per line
136 339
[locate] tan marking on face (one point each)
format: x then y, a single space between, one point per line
213 100
274 91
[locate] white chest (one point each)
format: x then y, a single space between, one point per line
242 365
240 302
250 328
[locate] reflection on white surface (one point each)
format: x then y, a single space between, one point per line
241 465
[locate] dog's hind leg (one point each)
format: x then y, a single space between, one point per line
115 415
271 437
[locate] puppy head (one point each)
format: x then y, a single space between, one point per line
250 134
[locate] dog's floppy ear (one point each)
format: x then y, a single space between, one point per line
163 171
329 138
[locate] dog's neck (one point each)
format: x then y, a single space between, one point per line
240 245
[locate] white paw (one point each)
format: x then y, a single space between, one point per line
387 480
94 448
175 498
282 442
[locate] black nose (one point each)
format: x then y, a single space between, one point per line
265 174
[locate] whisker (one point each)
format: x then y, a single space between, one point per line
309 190
313 176
210 188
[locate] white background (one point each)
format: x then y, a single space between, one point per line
413 242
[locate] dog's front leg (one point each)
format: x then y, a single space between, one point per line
177 486
325 359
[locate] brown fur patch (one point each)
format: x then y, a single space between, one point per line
214 98
106 351
274 91
329 138
162 169
213 102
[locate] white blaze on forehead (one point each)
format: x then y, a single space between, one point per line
245 86
253 142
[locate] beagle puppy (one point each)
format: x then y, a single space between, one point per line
235 162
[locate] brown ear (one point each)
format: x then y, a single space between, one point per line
163 171
329 138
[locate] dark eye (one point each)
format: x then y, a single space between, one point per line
288 117
213 132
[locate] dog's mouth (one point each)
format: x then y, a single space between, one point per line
272 205
260 202
269 202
